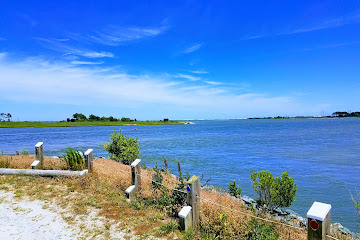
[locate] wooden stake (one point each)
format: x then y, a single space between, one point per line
193 199
39 155
89 160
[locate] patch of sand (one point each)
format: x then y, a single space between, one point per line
24 219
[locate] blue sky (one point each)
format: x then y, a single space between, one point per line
178 59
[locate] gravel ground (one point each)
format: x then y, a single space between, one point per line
21 219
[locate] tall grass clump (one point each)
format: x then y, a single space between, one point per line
123 149
74 159
260 231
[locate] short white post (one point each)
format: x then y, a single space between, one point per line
135 179
193 199
39 156
185 218
89 160
318 221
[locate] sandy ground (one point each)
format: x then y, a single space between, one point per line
22 219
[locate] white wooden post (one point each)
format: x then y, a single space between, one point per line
89 160
193 199
39 156
318 221
135 179
185 218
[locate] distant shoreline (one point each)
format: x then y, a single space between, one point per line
84 124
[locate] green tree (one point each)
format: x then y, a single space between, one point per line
274 192
123 149
93 117
234 190
79 117
283 191
124 119
262 182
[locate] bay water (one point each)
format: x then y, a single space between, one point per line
322 155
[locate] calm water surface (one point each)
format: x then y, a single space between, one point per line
322 155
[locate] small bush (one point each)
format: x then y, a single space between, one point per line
74 159
123 149
356 201
234 190
24 152
274 192
260 231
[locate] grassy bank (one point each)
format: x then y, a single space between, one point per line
83 124
102 192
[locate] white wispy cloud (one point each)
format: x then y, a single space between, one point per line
3 55
115 35
333 45
34 79
85 63
192 48
325 23
186 76
199 72
213 82
60 46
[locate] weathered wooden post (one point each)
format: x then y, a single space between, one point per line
39 156
135 179
89 160
193 199
318 221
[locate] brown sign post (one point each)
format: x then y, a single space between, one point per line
318 221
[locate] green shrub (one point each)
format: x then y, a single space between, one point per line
24 152
74 159
168 228
234 190
123 149
356 201
274 192
260 231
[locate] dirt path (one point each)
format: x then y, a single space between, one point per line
21 219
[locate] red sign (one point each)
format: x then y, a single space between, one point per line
314 225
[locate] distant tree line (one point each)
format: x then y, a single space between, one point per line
346 114
5 117
79 117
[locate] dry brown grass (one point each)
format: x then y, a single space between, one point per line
25 161
103 192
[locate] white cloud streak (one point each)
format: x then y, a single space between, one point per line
85 63
192 48
33 80
319 25
199 72
67 49
114 36
186 76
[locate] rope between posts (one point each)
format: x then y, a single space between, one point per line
245 213
140 175
331 237
161 183
251 215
